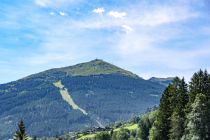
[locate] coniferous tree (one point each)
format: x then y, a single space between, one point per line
200 84
144 126
21 133
167 106
171 116
197 127
208 106
163 122
178 116
182 115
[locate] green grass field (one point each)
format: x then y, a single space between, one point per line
130 127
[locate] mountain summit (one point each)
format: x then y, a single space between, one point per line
95 67
72 98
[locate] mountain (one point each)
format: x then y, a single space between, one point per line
95 67
162 81
72 98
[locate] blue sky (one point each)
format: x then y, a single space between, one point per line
150 38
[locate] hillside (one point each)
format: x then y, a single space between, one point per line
162 81
69 99
183 114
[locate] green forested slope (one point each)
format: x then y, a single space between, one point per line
107 93
183 114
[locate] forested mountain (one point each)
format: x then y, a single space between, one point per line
72 98
183 114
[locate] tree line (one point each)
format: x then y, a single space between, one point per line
184 111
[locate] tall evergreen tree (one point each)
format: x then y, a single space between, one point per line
163 121
208 106
178 116
171 116
21 133
200 84
144 126
197 127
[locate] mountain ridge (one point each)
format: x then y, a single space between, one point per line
110 94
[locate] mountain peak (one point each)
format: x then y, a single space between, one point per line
95 67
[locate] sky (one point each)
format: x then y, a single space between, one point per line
161 38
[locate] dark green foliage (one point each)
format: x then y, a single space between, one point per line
145 124
103 136
145 127
122 134
165 112
184 114
171 116
178 116
197 120
21 133
135 120
200 83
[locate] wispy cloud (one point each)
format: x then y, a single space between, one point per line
166 15
55 3
43 3
117 14
127 28
149 38
62 13
99 10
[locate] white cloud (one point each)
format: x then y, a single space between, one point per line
117 14
127 28
56 3
43 3
165 15
99 10
62 13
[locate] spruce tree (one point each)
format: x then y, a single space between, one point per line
171 116
178 116
144 125
208 106
21 133
197 126
200 84
163 121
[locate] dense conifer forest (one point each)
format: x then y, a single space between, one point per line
183 114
